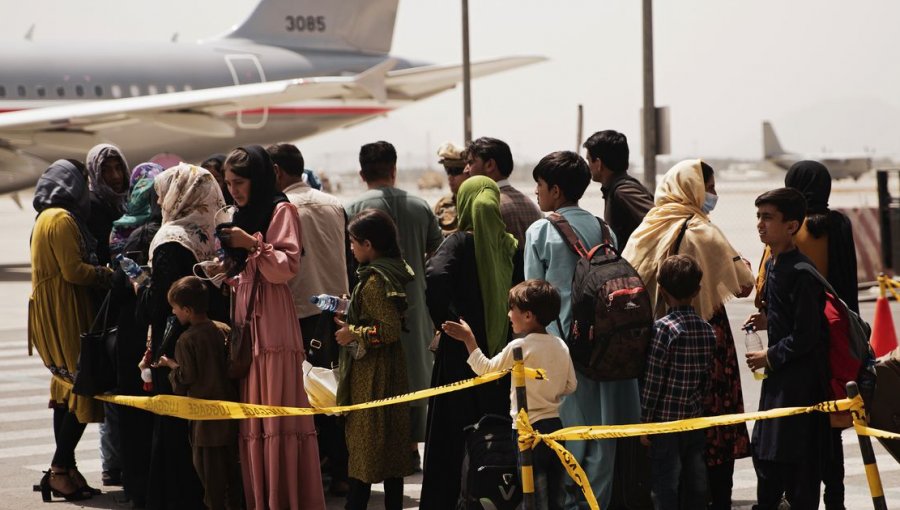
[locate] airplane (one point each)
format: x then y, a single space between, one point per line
291 69
840 166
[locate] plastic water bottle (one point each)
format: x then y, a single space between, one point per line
754 344
337 305
328 303
132 269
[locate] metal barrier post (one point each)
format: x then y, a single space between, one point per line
525 455
865 447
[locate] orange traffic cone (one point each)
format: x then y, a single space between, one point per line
884 336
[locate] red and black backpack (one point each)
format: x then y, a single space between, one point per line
612 321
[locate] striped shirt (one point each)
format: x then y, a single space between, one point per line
679 361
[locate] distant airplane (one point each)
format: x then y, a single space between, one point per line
292 69
840 166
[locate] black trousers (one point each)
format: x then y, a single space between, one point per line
68 431
833 473
720 479
358 498
798 482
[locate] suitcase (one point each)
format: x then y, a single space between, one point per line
884 408
490 471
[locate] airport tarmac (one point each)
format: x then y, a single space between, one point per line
26 435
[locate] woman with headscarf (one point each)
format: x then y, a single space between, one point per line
108 178
63 271
826 237
279 458
133 425
469 276
679 224
189 198
137 207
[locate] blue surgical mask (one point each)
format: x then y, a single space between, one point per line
710 203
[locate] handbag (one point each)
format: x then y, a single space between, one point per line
240 342
96 372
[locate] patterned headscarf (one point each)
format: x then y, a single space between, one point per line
137 209
63 185
94 162
478 205
190 198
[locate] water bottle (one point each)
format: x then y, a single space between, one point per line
132 269
754 344
337 305
328 303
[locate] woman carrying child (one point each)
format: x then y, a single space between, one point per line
377 439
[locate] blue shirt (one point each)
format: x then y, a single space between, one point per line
548 257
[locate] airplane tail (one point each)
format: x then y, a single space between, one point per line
771 146
365 26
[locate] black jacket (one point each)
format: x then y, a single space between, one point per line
626 202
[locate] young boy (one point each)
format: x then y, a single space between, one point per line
199 371
562 178
675 383
786 451
533 304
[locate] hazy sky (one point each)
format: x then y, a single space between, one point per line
825 72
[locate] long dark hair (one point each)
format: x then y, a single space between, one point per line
378 228
253 163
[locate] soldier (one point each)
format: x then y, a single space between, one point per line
454 161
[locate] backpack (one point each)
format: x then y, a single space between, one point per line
850 357
490 470
612 322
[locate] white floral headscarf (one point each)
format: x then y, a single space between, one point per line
189 197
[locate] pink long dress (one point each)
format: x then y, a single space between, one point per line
279 456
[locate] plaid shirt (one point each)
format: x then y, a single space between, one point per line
518 212
678 365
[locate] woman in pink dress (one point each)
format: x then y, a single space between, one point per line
279 456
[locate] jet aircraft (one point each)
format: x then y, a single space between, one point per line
292 69
840 166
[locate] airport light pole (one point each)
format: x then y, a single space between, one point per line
649 112
467 77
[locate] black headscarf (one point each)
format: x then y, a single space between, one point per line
63 184
813 180
264 196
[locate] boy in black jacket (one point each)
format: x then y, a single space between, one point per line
787 452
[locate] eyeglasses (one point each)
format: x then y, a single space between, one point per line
453 171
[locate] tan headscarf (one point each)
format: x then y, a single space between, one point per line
190 198
680 196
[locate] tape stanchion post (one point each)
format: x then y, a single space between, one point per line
858 412
525 451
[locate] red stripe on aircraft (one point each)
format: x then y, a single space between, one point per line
323 110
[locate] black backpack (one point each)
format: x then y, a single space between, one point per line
490 471
612 321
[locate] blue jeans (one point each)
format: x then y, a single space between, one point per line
678 470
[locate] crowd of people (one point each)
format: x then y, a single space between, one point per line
236 247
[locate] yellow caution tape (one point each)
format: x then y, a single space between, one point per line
200 409
863 430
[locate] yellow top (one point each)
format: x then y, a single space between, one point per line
60 307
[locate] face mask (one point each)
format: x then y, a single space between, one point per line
710 203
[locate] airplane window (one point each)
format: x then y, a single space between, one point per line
170 88
152 90
98 90
41 91
79 90
116 91
21 90
135 90
60 91
2 91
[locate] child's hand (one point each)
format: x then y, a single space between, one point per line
757 360
759 321
460 331
645 440
342 336
166 362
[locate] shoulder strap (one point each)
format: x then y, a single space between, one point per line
809 268
104 311
252 303
680 237
568 233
